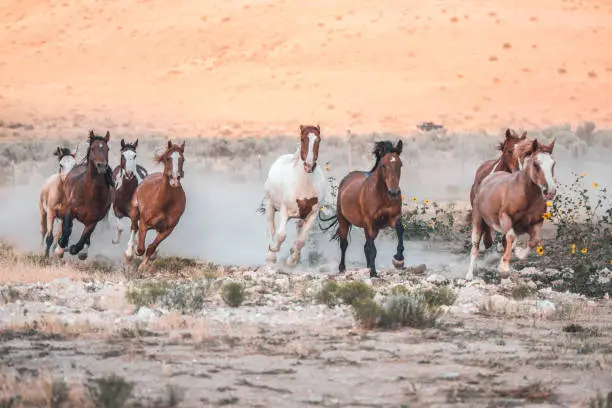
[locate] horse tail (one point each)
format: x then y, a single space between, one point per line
334 221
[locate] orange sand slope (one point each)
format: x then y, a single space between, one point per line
237 67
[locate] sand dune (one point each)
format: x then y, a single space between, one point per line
262 67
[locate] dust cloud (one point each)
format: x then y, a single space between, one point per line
224 188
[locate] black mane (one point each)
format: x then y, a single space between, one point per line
380 149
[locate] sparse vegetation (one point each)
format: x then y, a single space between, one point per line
599 401
233 294
349 293
184 296
109 392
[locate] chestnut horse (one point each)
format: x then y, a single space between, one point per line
509 161
158 203
295 188
127 176
52 196
514 203
371 200
88 192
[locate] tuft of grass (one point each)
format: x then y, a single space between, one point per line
599 401
521 291
59 394
36 260
399 290
109 392
353 292
185 296
148 293
367 313
173 264
328 294
440 296
233 294
11 402
173 396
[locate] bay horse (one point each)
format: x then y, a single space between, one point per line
88 192
371 200
514 203
127 176
509 162
158 203
52 197
295 187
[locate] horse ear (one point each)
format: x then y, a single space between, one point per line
535 145
318 128
122 143
107 136
91 134
399 146
136 144
301 129
508 133
551 146
183 147
524 135
57 152
169 144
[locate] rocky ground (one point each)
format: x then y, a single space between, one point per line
496 345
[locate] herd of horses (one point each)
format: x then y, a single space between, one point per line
509 195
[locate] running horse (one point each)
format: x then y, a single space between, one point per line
127 176
52 196
371 200
88 192
158 203
514 204
295 188
509 162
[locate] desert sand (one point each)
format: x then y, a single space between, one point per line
239 68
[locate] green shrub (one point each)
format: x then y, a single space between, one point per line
233 294
352 292
328 294
109 392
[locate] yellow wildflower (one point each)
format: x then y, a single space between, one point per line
403 197
573 249
595 184
322 208
583 175
427 202
326 168
584 250
540 250
414 199
549 203
546 216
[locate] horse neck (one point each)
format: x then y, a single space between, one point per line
502 165
531 188
167 192
377 184
93 174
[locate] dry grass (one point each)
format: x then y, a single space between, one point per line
42 390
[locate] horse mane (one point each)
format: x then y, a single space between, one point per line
62 151
92 137
380 149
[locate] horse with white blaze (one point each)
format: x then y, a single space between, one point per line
295 188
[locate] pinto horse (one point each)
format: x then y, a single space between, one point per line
509 162
514 203
158 203
88 192
295 188
371 200
127 176
52 196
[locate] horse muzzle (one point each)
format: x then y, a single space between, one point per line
394 192
309 167
101 166
175 181
549 194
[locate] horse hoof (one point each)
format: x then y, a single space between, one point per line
291 262
59 252
83 256
127 257
271 257
140 252
374 275
115 242
399 264
504 270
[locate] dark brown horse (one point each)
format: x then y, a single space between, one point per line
88 192
371 200
158 203
508 162
126 176
514 203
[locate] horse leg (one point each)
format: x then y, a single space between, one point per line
343 229
370 251
134 217
281 234
83 242
477 230
153 247
43 226
303 228
271 211
119 226
534 241
57 234
49 218
398 258
62 242
487 236
506 225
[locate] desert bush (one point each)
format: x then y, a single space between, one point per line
184 296
349 293
428 221
582 247
11 402
599 401
109 392
440 296
328 294
233 294
411 309
173 264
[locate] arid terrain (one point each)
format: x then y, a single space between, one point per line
235 79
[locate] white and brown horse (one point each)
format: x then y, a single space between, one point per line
127 176
52 196
514 204
295 188
158 203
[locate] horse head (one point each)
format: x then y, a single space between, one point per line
172 159
540 167
390 164
66 160
128 158
310 137
97 151
510 155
